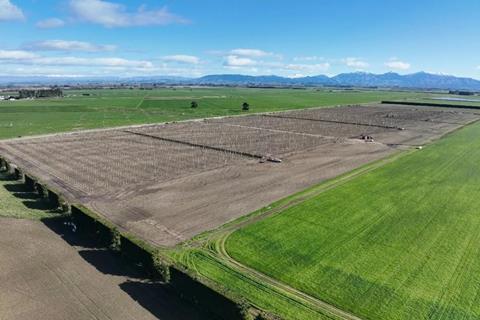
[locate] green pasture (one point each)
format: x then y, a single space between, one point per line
399 242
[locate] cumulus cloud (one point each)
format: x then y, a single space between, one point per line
396 64
236 61
308 68
110 14
109 62
29 58
299 69
356 63
297 75
63 45
251 53
16 55
308 58
105 62
9 11
181 58
50 23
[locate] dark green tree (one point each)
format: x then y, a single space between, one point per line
245 106
194 104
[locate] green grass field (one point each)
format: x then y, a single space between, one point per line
109 108
400 242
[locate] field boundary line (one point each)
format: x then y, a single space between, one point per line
333 121
428 104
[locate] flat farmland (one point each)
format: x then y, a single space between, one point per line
167 183
103 108
399 242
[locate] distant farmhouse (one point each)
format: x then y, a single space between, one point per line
40 93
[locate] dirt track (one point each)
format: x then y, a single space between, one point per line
43 277
165 187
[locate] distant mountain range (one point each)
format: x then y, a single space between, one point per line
420 80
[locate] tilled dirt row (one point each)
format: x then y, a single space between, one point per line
248 140
384 115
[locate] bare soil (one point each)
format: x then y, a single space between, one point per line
43 277
167 183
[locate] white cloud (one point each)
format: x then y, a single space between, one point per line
308 58
251 53
62 45
308 68
275 67
50 23
105 62
9 11
236 61
396 64
110 14
29 58
297 75
16 55
181 58
356 63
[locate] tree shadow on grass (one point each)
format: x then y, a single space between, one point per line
20 191
41 204
17 188
4 176
161 301
25 195
30 199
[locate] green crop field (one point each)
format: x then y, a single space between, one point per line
399 242
89 109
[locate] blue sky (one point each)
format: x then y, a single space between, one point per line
198 37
